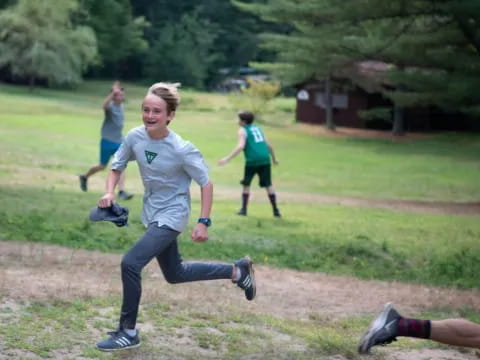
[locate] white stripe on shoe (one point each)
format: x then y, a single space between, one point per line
123 341
247 281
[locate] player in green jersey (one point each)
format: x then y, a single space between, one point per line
257 153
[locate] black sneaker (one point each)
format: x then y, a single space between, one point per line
123 195
247 277
276 213
119 340
242 212
83 182
382 331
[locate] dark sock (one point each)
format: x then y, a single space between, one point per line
273 201
245 200
414 328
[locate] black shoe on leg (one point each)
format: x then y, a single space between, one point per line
242 212
83 182
119 340
382 331
247 277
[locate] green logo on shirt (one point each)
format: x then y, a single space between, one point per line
150 156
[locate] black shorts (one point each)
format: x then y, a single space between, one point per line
264 174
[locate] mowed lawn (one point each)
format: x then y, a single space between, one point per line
49 136
61 129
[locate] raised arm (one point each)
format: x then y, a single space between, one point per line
115 88
242 137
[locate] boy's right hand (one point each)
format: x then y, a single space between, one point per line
106 200
116 86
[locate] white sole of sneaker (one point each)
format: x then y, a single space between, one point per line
120 349
375 325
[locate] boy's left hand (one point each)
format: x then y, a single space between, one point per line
222 161
200 233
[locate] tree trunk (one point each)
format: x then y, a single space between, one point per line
398 121
329 122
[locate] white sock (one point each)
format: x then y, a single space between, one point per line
238 273
131 332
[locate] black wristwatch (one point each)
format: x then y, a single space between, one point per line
205 221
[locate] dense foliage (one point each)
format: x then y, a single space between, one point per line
432 47
188 41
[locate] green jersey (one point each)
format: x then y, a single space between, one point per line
256 150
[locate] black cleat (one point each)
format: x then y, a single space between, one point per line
242 212
119 340
83 182
382 331
123 195
276 213
247 277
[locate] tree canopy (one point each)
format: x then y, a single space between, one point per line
432 47
39 41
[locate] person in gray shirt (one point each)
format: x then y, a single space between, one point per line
167 166
111 138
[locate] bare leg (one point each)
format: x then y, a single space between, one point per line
270 190
458 332
94 169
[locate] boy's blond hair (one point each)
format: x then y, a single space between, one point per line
168 92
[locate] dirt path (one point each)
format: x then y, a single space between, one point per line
415 206
30 272
28 176
37 176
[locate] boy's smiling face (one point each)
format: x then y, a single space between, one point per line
154 113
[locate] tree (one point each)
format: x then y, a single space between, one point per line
433 46
183 51
38 41
235 31
119 34
312 49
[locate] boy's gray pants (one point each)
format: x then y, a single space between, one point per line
160 242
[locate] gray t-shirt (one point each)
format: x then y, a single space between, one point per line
113 123
167 167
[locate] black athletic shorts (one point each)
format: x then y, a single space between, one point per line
264 174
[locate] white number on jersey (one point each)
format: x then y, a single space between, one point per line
257 134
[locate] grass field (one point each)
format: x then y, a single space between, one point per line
49 136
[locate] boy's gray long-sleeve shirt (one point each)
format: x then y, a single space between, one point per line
167 167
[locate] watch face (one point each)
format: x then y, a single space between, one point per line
205 221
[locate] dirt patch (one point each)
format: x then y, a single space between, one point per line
36 272
414 206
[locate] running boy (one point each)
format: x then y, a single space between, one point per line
257 153
167 165
111 137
